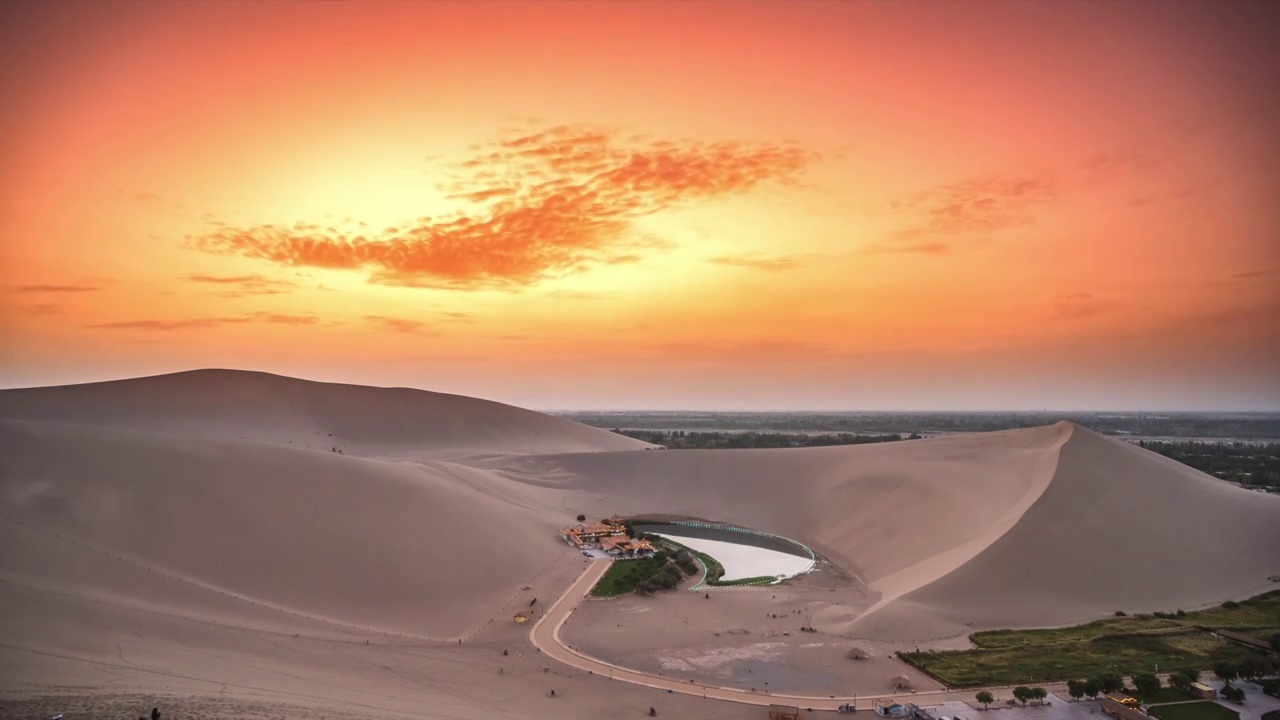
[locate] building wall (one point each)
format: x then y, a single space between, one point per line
1124 712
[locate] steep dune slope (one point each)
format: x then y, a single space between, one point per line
260 407
390 546
1118 528
878 510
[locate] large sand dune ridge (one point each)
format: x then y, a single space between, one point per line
210 505
259 407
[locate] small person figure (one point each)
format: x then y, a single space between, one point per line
553 693
653 713
155 713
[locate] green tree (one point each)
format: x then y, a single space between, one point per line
1039 694
1092 687
1075 688
985 698
1226 671
1181 680
1274 641
1111 682
1146 683
1022 694
1254 667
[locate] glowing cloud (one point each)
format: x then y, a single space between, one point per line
553 202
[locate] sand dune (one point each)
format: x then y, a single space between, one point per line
877 510
208 509
365 421
390 546
1118 528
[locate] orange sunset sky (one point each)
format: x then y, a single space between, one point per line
720 205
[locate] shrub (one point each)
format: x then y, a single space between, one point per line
985 698
1120 613
582 518
1146 682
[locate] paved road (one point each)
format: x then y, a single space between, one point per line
545 636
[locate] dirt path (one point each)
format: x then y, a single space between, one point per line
545 636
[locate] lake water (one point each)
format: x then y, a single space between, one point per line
746 561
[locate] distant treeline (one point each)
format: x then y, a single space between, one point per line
1251 464
1231 426
685 440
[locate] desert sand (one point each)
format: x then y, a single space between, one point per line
195 540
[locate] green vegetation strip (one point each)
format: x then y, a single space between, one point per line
624 575
1203 710
1120 645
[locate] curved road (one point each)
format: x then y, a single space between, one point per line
545 636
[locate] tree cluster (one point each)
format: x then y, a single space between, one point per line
1250 464
665 579
684 560
684 440
1023 694
1223 426
1095 686
1250 668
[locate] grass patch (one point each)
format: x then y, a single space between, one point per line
1163 695
624 575
1203 710
1121 645
1122 655
1255 615
762 580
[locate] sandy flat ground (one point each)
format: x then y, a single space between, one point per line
195 541
742 637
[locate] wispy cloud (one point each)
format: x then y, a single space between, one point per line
973 211
205 323
770 264
962 211
926 248
548 204
43 309
1244 276
240 285
56 288
283 319
1255 274
172 325
401 325
1073 306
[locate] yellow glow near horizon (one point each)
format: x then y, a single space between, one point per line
746 205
